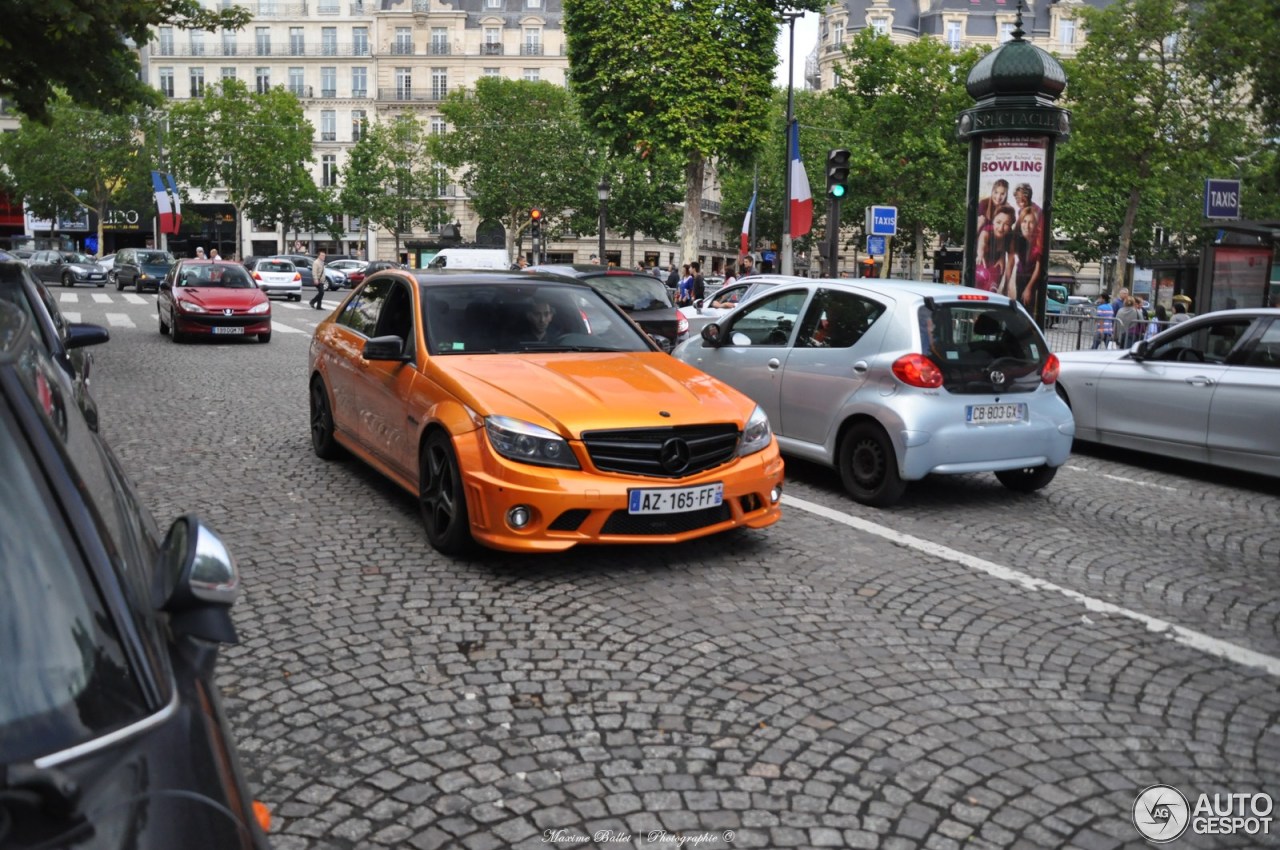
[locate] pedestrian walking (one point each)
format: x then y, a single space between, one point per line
317 272
699 282
1104 333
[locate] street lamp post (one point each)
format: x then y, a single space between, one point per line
789 18
603 193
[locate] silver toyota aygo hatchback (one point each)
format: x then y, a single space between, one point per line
890 381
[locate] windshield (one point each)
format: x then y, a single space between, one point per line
64 677
489 319
155 258
217 274
276 266
72 257
633 291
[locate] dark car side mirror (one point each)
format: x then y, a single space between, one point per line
385 348
711 335
1138 351
80 334
197 582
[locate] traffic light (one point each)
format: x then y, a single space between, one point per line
535 220
837 173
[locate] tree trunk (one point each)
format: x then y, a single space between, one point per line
691 224
1126 238
918 271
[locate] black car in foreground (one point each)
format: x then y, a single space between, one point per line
642 296
112 734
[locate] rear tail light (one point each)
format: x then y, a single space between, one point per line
1049 374
916 370
973 297
257 277
297 277
682 326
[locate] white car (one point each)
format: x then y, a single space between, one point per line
722 302
278 276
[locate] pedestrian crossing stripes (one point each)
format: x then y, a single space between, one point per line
119 320
132 299
101 298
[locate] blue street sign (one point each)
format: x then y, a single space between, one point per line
768 256
882 221
875 246
1222 199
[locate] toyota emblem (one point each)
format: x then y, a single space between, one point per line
997 377
674 456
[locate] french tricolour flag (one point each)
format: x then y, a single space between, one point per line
746 226
168 204
801 198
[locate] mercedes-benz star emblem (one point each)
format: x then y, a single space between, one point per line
997 377
674 456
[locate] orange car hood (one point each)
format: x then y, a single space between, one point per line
572 393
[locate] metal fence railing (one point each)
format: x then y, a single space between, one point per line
1075 331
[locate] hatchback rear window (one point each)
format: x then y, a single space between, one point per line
276 267
633 291
983 347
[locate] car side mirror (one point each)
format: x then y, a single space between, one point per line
662 342
711 335
80 334
385 348
197 582
1138 351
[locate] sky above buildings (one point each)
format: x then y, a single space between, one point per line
806 39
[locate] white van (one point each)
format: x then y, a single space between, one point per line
471 259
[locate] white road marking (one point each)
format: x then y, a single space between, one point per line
101 298
71 315
291 306
68 297
281 327
134 298
1124 480
120 320
1188 637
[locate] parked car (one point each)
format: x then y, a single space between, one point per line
277 276
721 303
1056 300
66 342
210 298
589 435
23 255
888 382
141 268
67 268
303 263
352 269
356 276
1204 390
112 731
643 296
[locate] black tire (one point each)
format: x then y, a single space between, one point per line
164 326
869 466
441 497
322 440
67 279
115 278
178 336
264 338
1027 480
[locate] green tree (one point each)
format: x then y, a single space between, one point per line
643 198
693 78
88 48
389 179
254 145
1148 124
518 145
80 158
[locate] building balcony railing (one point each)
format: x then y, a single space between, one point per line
331 136
328 92
359 92
328 7
270 9
402 49
439 48
531 49
491 48
421 7
301 91
406 95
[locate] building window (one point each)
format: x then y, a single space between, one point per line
492 42
439 41
262 80
438 127
360 41
404 42
166 81
327 7
404 83
262 39
532 42
359 121
228 72
1171 44
359 82
267 7
491 72
197 82
953 34
328 41
329 82
1006 32
440 177
297 81
439 83
166 41
530 75
297 42
880 25
837 35
197 42
533 4
228 43
328 169
328 125
1067 32
493 4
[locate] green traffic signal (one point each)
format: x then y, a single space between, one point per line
837 173
837 191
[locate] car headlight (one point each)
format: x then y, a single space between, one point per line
756 435
264 307
190 306
528 443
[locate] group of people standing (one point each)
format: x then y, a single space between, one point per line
1127 318
1010 252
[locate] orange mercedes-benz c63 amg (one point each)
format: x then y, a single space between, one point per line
529 413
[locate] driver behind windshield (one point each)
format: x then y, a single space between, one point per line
540 314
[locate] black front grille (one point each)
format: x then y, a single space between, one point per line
219 320
640 451
569 520
621 522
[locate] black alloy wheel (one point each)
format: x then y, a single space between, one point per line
164 326
67 279
322 439
441 497
869 467
1027 480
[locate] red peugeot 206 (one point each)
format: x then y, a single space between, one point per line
212 298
